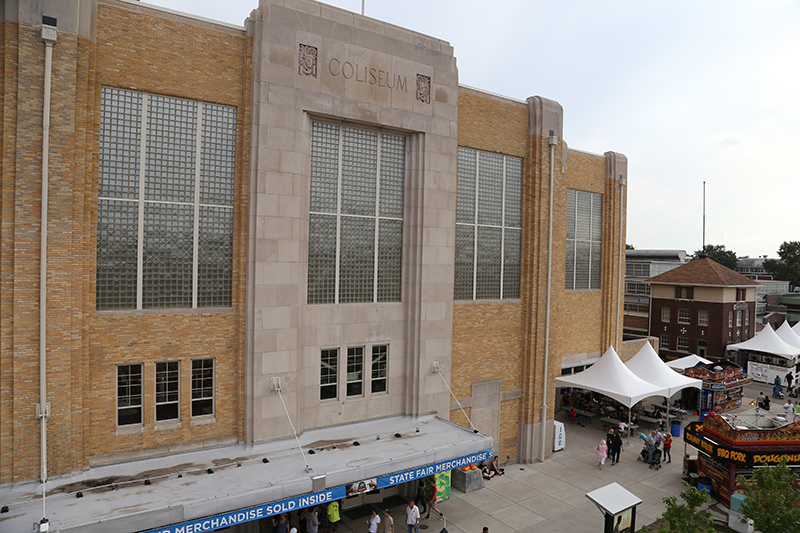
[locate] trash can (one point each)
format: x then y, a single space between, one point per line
676 429
704 484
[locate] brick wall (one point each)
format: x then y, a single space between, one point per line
141 49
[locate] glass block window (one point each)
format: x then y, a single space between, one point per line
666 314
129 394
167 391
329 374
355 371
356 215
584 239
683 344
702 318
488 226
165 206
202 387
380 357
684 316
664 342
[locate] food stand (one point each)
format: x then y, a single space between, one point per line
723 383
732 445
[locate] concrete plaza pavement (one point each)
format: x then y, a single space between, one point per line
550 497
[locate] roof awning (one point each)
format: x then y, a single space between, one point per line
181 490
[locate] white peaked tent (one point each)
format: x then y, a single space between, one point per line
648 365
767 341
687 362
611 377
788 335
796 328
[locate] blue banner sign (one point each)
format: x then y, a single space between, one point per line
241 516
254 513
429 470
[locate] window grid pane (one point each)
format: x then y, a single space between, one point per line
481 263
171 146
490 189
215 257
129 394
393 157
170 162
117 228
584 236
487 279
344 242
684 316
380 356
329 374
217 155
390 247
355 371
467 179
324 167
120 138
702 318
167 391
321 259
465 262
357 262
202 387
167 258
359 171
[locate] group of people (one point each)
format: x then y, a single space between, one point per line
492 469
654 441
610 447
307 520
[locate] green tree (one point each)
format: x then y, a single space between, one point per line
772 503
629 247
718 253
684 517
786 268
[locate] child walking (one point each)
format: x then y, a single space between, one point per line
602 452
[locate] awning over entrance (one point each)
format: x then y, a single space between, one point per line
210 489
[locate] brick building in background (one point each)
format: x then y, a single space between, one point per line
300 224
701 307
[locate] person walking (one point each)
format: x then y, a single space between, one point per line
668 447
432 502
373 522
788 408
312 522
789 379
412 517
419 499
388 522
760 400
611 443
650 442
333 517
602 452
618 446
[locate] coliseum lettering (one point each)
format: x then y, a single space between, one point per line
367 74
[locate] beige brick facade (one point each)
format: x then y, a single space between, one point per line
136 48
506 339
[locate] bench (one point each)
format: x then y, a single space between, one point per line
612 422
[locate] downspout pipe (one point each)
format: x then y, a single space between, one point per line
552 141
621 258
49 36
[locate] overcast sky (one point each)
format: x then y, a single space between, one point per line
689 91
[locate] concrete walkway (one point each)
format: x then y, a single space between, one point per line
551 496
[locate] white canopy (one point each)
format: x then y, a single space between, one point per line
767 341
796 328
611 377
687 362
648 365
788 335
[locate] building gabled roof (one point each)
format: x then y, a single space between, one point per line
703 271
